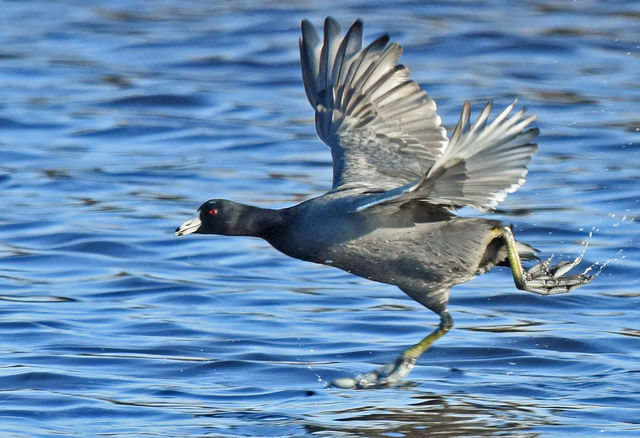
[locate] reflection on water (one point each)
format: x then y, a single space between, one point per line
437 415
117 120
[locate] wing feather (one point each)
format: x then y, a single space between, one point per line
383 130
482 163
386 137
480 166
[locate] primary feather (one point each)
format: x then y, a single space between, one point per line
386 136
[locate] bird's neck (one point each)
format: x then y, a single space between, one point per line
260 222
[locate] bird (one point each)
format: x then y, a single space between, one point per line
398 180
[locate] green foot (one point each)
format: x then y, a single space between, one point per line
393 373
387 375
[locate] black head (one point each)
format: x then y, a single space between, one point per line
217 216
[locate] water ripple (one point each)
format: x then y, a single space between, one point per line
119 120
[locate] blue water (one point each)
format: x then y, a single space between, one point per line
118 119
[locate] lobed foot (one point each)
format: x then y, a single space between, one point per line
545 280
392 373
387 375
542 279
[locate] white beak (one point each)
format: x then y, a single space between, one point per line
190 226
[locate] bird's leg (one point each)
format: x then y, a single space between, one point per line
392 373
542 279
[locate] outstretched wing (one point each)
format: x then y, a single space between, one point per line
479 167
482 163
383 130
386 138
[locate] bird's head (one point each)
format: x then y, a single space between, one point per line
216 216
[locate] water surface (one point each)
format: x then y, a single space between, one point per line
118 119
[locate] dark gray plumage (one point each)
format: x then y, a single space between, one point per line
397 178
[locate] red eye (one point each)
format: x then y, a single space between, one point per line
213 211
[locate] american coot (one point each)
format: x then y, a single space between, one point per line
396 180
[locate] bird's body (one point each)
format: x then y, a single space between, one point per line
397 179
404 248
